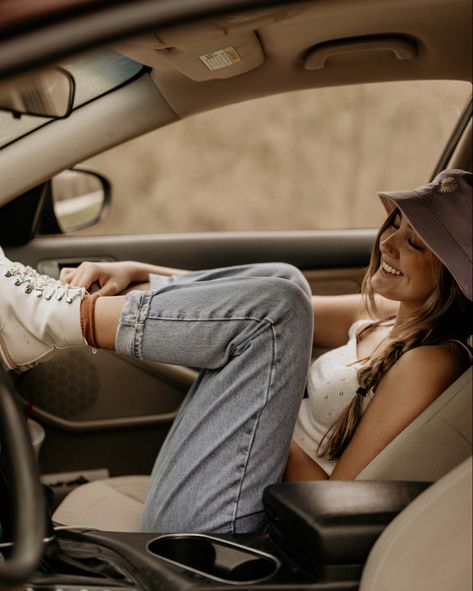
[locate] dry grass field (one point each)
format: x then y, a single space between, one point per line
306 160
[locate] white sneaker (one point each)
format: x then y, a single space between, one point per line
38 314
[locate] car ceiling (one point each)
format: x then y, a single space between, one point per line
307 45
279 48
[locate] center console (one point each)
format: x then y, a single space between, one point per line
318 538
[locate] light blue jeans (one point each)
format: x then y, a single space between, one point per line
249 329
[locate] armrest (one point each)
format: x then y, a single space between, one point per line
329 527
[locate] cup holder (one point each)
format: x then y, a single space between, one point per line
215 559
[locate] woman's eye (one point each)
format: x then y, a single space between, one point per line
414 245
396 223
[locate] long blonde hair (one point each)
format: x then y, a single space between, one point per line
446 314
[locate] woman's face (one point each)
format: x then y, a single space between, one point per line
408 269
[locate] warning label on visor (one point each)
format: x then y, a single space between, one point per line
221 58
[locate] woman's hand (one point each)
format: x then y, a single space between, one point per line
113 278
110 278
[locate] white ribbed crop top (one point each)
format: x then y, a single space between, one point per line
331 386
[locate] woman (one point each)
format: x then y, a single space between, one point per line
251 330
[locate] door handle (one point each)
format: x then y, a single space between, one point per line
52 267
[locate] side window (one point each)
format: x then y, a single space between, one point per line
304 160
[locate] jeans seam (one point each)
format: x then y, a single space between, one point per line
142 315
213 318
255 427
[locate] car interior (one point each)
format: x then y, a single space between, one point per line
95 422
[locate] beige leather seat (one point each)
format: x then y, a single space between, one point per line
431 446
437 441
114 504
428 547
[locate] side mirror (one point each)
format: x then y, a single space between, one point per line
80 199
71 201
48 93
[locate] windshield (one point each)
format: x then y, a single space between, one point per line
95 73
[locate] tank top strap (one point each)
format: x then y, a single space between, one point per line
465 347
355 327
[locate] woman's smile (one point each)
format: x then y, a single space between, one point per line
389 270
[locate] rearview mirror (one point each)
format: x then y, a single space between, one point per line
80 199
48 93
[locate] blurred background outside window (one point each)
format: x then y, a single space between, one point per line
306 160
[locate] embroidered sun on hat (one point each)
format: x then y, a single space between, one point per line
441 214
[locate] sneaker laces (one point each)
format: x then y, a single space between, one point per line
43 285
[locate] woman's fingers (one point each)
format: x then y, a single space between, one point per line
107 289
85 275
103 278
66 273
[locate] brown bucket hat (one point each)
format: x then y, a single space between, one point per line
441 214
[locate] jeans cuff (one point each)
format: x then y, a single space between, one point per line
129 337
160 281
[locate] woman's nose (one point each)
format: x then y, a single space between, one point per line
388 245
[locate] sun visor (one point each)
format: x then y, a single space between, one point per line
220 47
219 57
215 53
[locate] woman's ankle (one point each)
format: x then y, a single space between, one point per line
106 317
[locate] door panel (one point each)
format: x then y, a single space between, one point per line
323 249
105 411
338 281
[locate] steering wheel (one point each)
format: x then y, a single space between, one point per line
27 499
